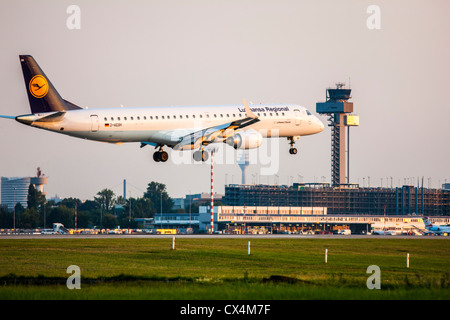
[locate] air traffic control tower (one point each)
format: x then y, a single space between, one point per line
39 181
339 111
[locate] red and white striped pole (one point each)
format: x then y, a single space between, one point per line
212 191
76 212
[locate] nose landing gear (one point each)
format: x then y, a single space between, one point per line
292 150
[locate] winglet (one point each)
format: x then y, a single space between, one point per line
249 112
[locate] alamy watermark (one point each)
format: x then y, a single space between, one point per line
374 281
73 21
373 22
74 281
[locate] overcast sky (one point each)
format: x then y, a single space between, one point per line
167 53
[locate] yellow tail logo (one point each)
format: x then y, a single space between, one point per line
38 86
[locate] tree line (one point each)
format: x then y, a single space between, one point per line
106 210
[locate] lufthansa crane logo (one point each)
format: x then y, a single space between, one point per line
38 86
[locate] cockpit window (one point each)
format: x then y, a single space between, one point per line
308 113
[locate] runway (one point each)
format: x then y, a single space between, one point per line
215 236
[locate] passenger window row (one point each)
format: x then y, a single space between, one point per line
228 115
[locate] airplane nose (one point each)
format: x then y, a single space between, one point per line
320 125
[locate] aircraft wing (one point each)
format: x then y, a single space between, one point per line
215 134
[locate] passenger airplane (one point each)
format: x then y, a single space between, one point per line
434 228
180 128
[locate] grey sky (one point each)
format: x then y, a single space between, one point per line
163 53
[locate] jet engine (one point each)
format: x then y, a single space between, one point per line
249 139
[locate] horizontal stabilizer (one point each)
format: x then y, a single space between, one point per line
54 117
31 118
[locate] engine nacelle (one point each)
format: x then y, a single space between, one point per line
249 139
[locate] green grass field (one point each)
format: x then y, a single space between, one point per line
218 268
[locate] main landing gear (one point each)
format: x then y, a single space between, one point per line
292 150
160 155
200 155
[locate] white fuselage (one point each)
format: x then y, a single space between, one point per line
437 229
165 125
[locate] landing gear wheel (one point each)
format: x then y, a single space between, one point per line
204 156
163 156
200 155
292 150
197 155
160 156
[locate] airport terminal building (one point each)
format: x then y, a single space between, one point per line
316 208
345 199
291 220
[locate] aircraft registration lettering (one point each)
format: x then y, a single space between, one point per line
108 125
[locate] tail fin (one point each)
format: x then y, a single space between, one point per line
42 96
427 222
